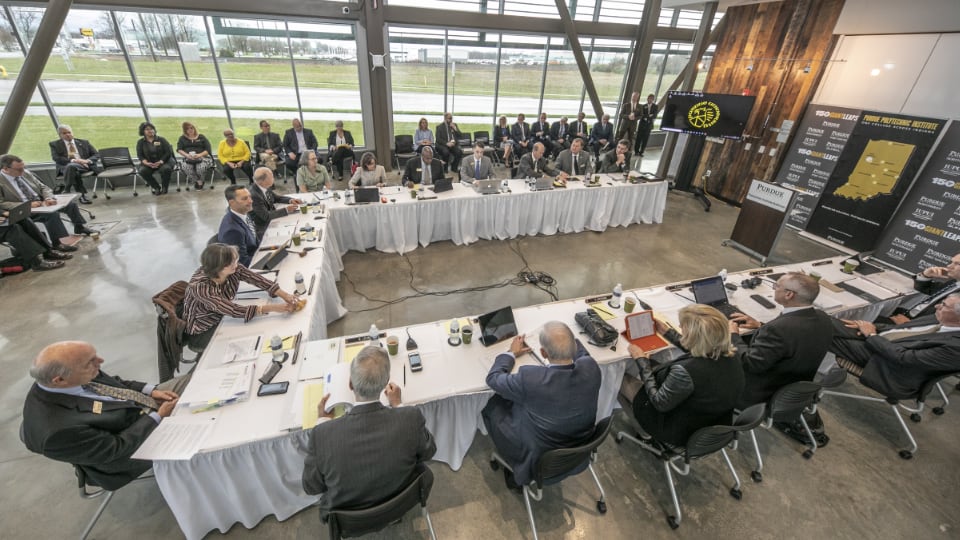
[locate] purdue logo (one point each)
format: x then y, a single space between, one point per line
703 115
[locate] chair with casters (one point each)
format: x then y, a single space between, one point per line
347 523
559 463
465 142
115 162
703 442
895 403
788 404
171 328
403 149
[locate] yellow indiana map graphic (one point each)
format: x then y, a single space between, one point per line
877 170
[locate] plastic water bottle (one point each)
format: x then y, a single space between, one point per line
615 299
276 348
374 335
300 288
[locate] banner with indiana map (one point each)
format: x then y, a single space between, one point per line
926 230
875 170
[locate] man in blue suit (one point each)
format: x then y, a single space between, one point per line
541 407
236 227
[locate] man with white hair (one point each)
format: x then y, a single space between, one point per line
540 408
265 201
373 451
73 158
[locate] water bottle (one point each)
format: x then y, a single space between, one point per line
300 288
374 335
276 348
348 196
615 299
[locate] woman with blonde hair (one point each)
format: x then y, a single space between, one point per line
697 390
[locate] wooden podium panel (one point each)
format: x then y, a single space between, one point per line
762 218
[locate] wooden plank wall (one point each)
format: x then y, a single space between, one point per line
779 39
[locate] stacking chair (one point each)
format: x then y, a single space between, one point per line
465 143
703 442
895 404
403 149
83 175
343 523
178 170
555 465
788 405
116 162
170 331
484 137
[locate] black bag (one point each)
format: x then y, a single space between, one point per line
600 333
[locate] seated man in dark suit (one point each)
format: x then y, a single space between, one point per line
618 161
520 132
899 360
265 200
237 227
787 349
574 161
477 166
425 170
29 245
448 147
534 165
561 135
19 185
372 452
541 407
934 284
296 141
541 134
73 158
268 146
78 414
601 137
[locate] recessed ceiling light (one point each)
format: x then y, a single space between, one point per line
874 72
889 65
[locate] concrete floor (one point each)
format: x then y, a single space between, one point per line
856 487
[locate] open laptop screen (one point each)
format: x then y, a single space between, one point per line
497 326
709 290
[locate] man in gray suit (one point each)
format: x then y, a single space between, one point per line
477 166
534 165
372 452
574 161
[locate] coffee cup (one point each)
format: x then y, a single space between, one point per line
850 265
815 275
466 333
393 345
628 304
296 239
303 208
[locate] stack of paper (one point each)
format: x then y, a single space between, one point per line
221 385
176 438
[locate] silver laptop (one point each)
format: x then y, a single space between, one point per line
487 187
543 183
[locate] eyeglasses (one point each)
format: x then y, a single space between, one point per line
778 286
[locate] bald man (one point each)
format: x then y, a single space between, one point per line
70 413
540 408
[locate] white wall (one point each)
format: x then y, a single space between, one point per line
907 73
873 17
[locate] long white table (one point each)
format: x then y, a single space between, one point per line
464 216
251 464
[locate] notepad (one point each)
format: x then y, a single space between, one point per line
604 311
312 394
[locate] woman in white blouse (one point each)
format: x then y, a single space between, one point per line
369 173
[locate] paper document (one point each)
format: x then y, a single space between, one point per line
312 394
338 386
176 438
351 351
603 310
242 349
318 358
221 385
640 326
62 200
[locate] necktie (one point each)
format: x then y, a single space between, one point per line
523 133
124 393
269 196
251 225
424 179
894 335
476 173
574 164
28 193
562 130
933 298
73 150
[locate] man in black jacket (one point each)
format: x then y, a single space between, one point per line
296 141
787 349
898 360
78 414
265 201
73 158
934 283
268 146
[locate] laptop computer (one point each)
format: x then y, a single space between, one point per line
442 184
366 195
272 261
497 326
487 187
543 183
16 214
710 291
642 332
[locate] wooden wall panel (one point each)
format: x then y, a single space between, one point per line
779 39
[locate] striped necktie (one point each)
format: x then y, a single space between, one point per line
124 393
28 193
251 225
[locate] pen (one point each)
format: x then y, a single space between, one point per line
257 346
404 375
296 347
313 279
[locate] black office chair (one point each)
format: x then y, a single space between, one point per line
171 328
116 162
344 523
703 442
895 404
555 465
489 151
787 405
403 149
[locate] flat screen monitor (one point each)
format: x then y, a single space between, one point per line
497 326
712 115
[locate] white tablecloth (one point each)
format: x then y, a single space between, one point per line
463 216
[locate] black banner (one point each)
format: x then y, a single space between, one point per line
926 230
819 141
873 173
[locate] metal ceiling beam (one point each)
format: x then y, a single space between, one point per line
640 58
573 38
